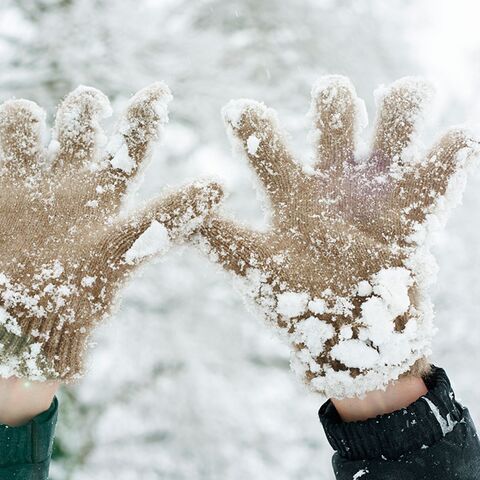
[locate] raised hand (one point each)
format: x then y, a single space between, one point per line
65 247
343 269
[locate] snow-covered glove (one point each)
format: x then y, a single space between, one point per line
65 248
343 269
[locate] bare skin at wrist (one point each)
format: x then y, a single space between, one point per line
397 395
21 400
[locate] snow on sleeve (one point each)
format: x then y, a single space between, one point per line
360 473
446 424
153 241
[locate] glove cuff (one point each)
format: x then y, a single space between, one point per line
59 357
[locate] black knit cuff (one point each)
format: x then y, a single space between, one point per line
29 446
420 425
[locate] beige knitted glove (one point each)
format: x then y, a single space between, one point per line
342 271
65 248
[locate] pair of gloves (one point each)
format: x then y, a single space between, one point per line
342 272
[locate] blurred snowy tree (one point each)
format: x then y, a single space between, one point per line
208 50
57 44
185 384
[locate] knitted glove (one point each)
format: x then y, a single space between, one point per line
64 247
343 269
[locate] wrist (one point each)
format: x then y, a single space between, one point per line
21 399
397 395
421 424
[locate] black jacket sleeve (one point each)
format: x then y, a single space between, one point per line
25 451
432 439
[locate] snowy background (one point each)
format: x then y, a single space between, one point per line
184 382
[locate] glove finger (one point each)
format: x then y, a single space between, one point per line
22 129
254 127
336 112
399 116
78 135
138 129
149 231
423 187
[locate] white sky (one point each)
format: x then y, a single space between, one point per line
447 40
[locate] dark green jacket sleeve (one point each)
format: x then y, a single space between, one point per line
432 439
25 451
